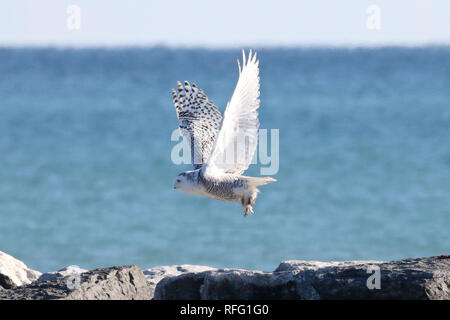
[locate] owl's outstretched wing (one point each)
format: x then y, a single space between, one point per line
199 120
238 137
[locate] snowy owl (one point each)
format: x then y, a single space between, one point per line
221 149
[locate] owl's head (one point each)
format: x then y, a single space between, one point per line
186 182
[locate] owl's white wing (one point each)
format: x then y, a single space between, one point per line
198 120
238 136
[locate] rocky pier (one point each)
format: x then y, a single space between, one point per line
417 279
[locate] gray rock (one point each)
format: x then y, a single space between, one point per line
425 278
65 272
156 274
116 283
412 279
248 285
6 282
16 270
235 284
183 287
306 272
304 265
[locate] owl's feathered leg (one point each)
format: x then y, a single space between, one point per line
248 201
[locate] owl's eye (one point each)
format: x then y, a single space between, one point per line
178 180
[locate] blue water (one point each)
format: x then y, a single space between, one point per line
86 176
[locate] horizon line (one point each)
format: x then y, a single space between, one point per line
224 47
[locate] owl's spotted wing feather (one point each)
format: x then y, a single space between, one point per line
238 137
199 120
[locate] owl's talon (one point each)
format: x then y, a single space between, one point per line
248 210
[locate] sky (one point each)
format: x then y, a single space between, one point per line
230 23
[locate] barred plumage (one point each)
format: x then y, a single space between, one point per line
199 120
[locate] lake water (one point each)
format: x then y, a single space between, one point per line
86 175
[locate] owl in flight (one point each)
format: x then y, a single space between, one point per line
221 148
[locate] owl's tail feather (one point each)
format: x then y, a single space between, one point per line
259 181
